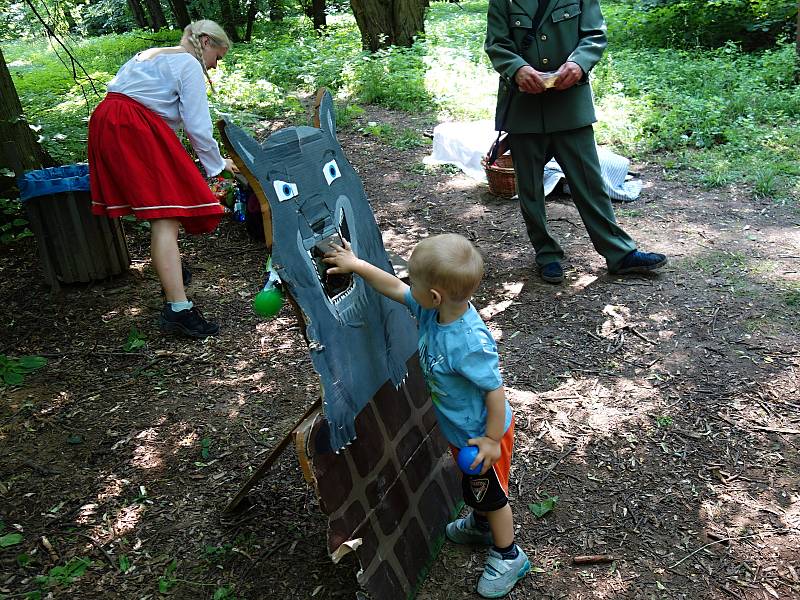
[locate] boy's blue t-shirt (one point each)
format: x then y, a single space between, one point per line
460 364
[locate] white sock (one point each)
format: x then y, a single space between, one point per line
179 306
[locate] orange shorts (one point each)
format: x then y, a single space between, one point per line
489 492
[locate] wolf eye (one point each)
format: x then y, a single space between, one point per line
284 190
331 171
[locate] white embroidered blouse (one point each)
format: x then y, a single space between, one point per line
173 86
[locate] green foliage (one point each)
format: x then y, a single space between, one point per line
13 226
56 105
136 340
224 593
205 448
792 298
106 16
689 23
64 575
540 509
691 108
218 551
701 103
402 139
10 539
167 581
664 421
13 370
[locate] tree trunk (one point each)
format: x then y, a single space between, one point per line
19 149
138 13
181 12
251 17
275 10
318 14
228 21
389 22
409 20
797 47
155 14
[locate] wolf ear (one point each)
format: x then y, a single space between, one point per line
324 117
238 143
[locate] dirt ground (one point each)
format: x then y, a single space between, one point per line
662 411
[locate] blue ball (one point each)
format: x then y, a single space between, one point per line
466 456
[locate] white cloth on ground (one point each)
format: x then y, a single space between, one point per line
465 144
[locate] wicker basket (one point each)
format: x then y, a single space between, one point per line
501 176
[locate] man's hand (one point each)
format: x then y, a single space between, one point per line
528 80
569 74
342 257
488 452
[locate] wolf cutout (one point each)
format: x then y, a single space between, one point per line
358 339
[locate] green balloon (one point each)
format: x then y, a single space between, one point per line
267 303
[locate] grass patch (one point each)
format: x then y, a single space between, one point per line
402 139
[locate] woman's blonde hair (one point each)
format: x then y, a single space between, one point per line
449 262
216 34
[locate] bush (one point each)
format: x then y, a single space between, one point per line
754 24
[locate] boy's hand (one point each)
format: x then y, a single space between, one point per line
488 452
341 257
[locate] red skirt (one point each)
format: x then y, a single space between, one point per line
137 165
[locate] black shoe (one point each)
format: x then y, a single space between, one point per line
186 274
189 322
552 272
641 262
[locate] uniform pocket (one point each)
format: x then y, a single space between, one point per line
562 13
520 21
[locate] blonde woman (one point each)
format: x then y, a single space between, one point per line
137 164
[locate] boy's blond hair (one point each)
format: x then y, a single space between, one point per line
448 262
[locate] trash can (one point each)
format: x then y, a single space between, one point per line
74 245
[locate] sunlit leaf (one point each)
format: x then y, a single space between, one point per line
10 539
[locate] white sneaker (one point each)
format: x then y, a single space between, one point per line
466 531
500 575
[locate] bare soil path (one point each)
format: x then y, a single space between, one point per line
663 411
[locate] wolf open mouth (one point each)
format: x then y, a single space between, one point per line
336 287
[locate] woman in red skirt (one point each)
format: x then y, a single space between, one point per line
137 164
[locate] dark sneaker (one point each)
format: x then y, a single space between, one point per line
641 262
190 322
552 272
500 575
466 531
187 275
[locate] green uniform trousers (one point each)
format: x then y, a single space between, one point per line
576 154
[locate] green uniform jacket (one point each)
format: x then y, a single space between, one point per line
570 30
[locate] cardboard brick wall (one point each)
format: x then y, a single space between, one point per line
391 492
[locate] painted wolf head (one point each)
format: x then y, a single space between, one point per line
358 339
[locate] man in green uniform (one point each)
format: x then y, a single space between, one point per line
544 51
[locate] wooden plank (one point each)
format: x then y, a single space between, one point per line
33 211
259 473
81 260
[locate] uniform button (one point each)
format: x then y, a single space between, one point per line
544 38
516 23
545 61
566 15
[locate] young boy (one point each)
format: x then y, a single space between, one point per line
459 359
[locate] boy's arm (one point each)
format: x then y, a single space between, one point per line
489 445
345 261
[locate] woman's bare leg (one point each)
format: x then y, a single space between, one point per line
166 257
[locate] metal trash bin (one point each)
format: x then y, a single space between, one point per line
74 245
